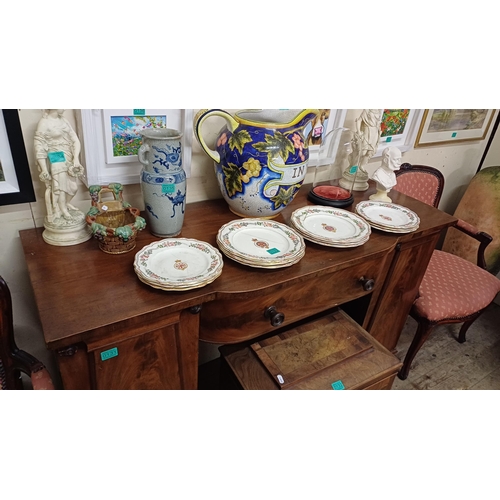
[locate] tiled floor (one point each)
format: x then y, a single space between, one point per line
444 363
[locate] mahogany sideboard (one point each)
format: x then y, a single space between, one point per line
108 330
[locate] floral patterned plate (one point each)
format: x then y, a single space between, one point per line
178 264
331 226
387 215
262 243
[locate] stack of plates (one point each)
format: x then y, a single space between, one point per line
261 243
388 216
329 226
177 264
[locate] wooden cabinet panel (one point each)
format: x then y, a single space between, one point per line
73 366
163 357
400 290
146 362
241 317
154 352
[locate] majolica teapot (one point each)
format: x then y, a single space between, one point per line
260 157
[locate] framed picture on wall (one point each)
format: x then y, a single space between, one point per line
316 131
446 126
110 141
398 128
15 178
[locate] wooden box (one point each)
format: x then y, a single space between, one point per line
333 352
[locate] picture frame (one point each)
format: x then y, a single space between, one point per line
16 185
329 119
399 128
110 136
447 126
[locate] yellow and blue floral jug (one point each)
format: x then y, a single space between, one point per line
260 157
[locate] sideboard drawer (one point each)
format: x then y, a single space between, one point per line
241 317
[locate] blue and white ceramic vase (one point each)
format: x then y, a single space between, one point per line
163 181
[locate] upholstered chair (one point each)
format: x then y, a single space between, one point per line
453 289
13 360
421 182
483 190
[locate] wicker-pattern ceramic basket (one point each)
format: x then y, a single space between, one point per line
114 223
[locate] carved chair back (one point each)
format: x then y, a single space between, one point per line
421 182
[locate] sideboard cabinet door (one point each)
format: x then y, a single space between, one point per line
157 355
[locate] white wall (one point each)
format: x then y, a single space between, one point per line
458 162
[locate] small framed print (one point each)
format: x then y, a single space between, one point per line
398 128
111 139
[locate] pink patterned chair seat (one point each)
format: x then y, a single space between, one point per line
454 288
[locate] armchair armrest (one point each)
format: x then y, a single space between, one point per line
26 362
35 369
483 238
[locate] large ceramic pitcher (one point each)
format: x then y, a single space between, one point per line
260 157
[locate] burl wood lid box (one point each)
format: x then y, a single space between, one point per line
333 352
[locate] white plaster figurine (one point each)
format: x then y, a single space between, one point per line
384 176
367 130
57 152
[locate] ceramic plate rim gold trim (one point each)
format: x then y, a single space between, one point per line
171 282
334 213
227 247
361 210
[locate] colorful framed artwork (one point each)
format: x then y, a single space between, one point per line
398 128
316 131
16 185
111 139
446 126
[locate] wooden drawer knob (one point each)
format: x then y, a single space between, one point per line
367 284
275 316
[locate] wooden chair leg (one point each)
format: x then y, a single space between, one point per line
466 326
421 335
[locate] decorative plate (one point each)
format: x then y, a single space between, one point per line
330 224
387 214
260 241
178 263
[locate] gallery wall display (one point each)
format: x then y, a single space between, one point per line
111 138
15 178
398 128
446 126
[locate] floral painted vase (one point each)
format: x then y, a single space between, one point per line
163 181
260 158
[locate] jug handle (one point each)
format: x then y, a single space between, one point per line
200 118
141 154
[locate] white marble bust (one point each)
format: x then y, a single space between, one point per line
384 176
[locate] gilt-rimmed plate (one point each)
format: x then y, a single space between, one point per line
387 215
178 263
261 242
330 225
